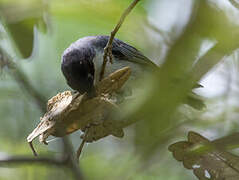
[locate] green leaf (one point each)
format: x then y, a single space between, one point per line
19 19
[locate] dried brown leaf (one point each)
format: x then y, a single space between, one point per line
206 161
68 112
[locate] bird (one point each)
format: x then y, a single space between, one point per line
81 64
82 61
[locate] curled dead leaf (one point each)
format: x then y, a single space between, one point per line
68 112
205 159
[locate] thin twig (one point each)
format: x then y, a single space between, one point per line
23 81
108 48
82 144
14 160
66 160
73 163
32 148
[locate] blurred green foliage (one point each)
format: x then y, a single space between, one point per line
57 24
20 18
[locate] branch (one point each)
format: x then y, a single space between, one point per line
68 150
68 159
108 47
22 80
30 160
79 151
65 161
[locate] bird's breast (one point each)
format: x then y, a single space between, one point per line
136 69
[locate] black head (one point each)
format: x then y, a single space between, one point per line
78 69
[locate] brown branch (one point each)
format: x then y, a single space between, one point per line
108 48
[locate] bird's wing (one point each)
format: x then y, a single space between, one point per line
129 53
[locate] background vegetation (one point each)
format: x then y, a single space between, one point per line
191 41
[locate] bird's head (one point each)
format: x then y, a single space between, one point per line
78 68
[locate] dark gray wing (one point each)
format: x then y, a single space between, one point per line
130 53
124 51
